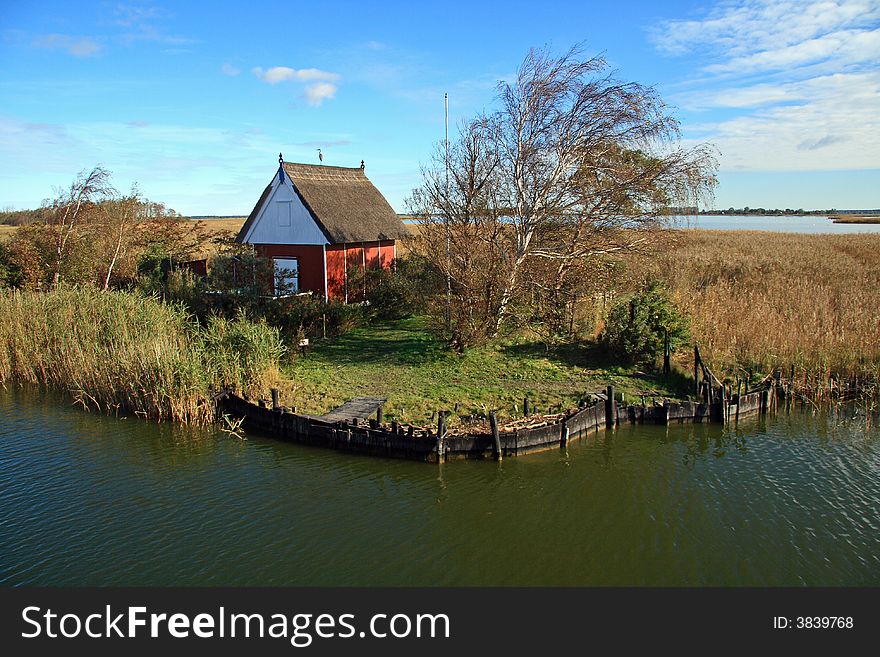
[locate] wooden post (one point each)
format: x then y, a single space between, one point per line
723 401
394 427
496 437
441 435
563 438
696 371
275 403
526 407
667 368
379 415
610 408
738 398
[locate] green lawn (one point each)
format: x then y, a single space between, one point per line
405 363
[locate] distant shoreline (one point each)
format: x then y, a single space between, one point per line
775 212
867 218
855 219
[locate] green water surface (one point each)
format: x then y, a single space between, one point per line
91 500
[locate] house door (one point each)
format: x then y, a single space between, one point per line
286 276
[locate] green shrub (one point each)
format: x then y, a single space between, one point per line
389 295
341 318
404 290
637 327
307 315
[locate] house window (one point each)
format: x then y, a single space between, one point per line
285 209
286 276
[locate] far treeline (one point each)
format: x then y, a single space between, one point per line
776 212
543 222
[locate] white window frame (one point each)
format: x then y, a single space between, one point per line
291 279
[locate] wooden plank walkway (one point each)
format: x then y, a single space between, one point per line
359 408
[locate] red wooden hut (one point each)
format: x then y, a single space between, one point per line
320 224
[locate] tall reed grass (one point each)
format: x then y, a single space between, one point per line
808 305
124 352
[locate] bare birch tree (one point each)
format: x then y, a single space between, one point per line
119 221
462 229
64 213
575 163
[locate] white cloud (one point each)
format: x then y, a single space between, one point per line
858 87
278 74
142 24
844 47
802 78
133 16
230 70
319 92
76 46
320 85
831 122
738 27
307 74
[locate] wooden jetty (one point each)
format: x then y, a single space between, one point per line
356 410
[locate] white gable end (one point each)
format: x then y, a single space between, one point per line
284 219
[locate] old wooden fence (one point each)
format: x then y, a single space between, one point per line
435 446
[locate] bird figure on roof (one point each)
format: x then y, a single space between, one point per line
320 156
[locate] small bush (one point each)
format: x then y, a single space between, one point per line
309 316
636 328
395 293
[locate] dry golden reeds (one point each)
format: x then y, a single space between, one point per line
808 305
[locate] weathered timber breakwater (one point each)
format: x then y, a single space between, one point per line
398 441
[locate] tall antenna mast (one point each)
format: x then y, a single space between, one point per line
446 223
446 102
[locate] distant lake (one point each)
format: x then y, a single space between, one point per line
797 224
794 224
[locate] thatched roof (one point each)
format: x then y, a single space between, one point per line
343 202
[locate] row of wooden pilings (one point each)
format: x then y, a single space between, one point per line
712 404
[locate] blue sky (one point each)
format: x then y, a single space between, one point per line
193 101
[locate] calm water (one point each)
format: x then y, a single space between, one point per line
94 500
805 224
795 224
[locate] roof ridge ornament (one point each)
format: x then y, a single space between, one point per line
280 168
362 165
